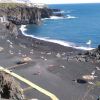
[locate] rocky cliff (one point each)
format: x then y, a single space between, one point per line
26 15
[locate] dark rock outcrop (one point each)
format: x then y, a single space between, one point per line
27 15
24 15
95 54
90 56
9 88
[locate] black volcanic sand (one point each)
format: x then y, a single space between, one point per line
49 68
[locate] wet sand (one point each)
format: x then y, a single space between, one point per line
50 67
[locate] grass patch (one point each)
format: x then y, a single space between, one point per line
11 5
98 83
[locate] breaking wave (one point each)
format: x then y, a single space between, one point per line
54 18
62 17
70 17
63 43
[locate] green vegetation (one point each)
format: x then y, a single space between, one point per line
10 5
98 83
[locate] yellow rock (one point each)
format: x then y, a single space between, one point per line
88 77
26 59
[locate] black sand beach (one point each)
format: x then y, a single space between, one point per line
51 66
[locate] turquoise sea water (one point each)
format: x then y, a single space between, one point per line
81 23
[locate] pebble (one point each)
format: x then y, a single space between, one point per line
88 77
11 52
1 49
63 53
58 55
98 68
45 59
42 52
19 52
93 72
42 57
11 46
31 51
91 83
9 41
49 53
62 66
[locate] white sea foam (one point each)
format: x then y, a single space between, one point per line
64 43
23 28
84 48
54 18
62 17
70 17
62 11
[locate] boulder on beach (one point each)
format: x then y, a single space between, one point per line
24 60
88 77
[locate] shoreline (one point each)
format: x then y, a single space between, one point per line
49 64
60 42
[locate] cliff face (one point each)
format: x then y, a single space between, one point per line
26 15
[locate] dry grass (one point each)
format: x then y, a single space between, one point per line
10 5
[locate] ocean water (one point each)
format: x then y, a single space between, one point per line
80 24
